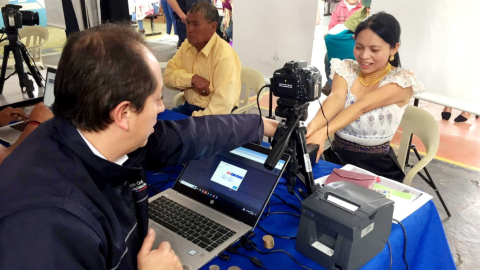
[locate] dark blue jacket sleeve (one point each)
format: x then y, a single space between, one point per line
56 240
176 142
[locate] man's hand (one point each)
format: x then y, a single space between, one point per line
40 113
163 258
9 114
183 17
201 85
269 127
318 137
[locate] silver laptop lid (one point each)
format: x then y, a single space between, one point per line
235 183
48 95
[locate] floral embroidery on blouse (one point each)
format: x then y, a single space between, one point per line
381 118
389 117
371 120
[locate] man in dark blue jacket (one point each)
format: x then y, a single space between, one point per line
72 195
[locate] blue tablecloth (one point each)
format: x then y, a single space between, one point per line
427 246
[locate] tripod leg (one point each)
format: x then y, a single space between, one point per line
6 54
292 166
22 76
305 160
35 73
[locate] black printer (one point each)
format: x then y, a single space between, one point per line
344 225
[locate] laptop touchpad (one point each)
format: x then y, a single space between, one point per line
160 236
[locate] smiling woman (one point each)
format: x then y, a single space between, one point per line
368 99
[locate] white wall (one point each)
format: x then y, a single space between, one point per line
268 33
440 43
55 16
3 3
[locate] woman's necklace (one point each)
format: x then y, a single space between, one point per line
374 78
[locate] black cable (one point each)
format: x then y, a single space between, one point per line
405 245
288 204
258 99
298 197
390 249
234 250
276 235
282 213
281 251
328 137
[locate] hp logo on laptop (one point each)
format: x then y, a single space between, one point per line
212 201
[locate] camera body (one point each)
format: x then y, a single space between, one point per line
14 18
297 81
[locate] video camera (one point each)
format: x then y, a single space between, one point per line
15 18
296 81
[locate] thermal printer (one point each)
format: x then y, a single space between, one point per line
344 225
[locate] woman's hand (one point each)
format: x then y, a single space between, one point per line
311 128
318 137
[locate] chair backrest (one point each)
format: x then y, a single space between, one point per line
34 38
253 80
421 123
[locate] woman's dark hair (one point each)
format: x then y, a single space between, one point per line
386 27
99 68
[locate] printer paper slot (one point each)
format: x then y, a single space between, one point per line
342 203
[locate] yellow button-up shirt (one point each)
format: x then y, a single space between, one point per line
218 63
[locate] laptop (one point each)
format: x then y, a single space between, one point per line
213 203
11 133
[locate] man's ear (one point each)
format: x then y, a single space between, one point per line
121 115
214 26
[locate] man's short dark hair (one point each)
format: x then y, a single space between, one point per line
99 68
209 11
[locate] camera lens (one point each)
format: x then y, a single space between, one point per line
30 17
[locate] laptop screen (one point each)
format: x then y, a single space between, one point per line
48 95
235 183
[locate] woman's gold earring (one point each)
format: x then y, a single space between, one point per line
392 58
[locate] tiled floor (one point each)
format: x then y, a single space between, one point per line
456 169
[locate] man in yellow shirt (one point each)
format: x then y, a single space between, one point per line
205 67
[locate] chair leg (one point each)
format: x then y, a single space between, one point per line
429 180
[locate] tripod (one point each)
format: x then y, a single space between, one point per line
19 50
296 145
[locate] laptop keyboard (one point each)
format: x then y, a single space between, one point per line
192 226
19 126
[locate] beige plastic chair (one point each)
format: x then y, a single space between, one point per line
34 38
178 99
252 79
421 123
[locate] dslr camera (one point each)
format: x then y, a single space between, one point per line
14 18
297 81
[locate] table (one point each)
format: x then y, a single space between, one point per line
427 246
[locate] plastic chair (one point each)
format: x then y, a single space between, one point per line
251 78
253 81
34 38
421 123
178 99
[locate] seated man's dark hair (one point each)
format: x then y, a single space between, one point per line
99 68
209 11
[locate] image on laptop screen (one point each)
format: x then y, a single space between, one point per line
237 180
48 95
